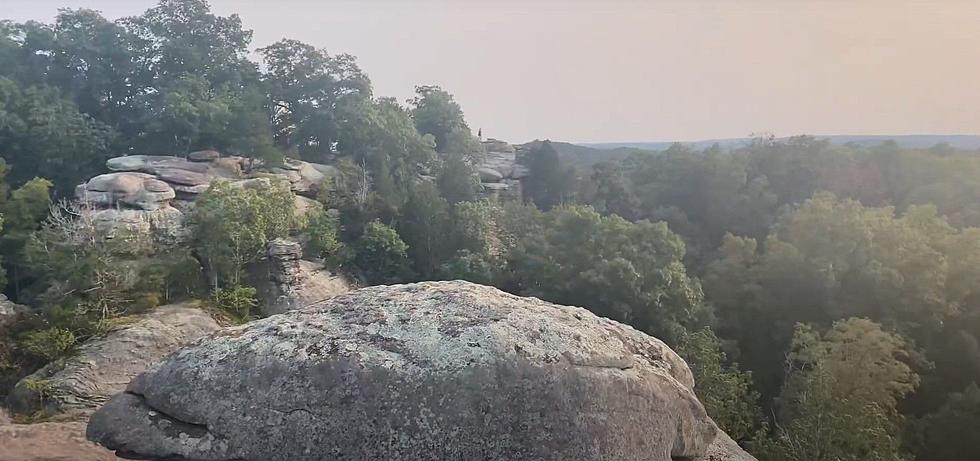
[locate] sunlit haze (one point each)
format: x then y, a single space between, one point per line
644 71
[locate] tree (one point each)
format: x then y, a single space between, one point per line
948 434
436 113
724 390
425 220
43 134
548 183
22 213
828 259
841 394
631 272
308 91
231 225
177 38
457 179
381 255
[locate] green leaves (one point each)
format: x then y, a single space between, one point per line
232 224
841 394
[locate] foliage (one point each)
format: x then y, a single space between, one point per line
834 258
841 394
238 302
436 113
630 272
725 391
50 343
381 255
549 182
949 432
231 225
322 229
423 228
44 135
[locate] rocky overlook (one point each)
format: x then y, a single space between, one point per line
436 370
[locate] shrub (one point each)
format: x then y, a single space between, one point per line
50 343
238 302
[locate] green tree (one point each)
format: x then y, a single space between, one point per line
725 391
631 272
948 434
425 220
436 113
231 226
548 183
841 395
457 179
381 255
309 90
43 134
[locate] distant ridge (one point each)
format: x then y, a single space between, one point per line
915 141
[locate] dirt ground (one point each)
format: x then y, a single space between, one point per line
53 441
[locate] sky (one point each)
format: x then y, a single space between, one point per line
630 70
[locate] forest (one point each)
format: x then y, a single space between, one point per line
826 297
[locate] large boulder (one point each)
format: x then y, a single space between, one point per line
285 281
126 189
9 310
103 367
489 175
723 448
163 225
427 371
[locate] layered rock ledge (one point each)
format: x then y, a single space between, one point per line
427 371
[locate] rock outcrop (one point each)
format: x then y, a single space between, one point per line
103 367
502 170
9 310
427 371
285 281
723 448
146 195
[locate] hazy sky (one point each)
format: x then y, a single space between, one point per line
644 70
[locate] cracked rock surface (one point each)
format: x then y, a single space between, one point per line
426 371
104 366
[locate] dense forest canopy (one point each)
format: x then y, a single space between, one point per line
826 296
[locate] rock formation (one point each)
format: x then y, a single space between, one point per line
501 171
427 371
104 366
285 281
723 448
9 310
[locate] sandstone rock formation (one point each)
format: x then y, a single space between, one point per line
9 310
147 195
285 281
501 171
136 190
427 371
723 448
103 367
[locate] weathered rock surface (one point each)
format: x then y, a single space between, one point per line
203 156
127 189
427 371
723 448
502 170
103 367
286 282
489 175
9 310
163 225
